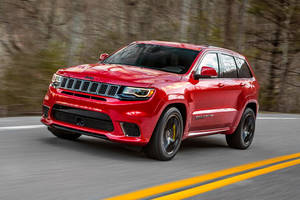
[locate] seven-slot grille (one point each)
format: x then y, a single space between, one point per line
103 89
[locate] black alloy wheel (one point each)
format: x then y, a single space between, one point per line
244 133
171 137
248 129
167 136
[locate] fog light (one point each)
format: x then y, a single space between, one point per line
45 111
130 129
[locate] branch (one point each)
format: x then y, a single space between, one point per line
291 71
33 11
6 47
266 50
259 58
293 84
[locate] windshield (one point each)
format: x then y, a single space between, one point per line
164 58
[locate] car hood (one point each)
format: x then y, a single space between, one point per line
120 74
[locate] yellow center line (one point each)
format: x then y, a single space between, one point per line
218 184
147 192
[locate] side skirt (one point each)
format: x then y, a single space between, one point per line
206 132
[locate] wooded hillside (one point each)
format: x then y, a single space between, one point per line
40 36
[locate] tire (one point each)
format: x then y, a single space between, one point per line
244 134
167 136
63 134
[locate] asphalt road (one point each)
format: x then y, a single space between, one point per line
36 165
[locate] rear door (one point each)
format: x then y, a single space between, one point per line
231 89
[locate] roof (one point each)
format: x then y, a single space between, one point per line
190 46
174 44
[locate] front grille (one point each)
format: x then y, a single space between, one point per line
83 96
103 89
83 118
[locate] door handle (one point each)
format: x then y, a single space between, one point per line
221 84
242 84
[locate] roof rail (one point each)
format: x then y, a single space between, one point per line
211 46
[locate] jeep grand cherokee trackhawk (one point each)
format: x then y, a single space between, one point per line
156 94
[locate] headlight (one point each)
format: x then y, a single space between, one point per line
138 92
56 80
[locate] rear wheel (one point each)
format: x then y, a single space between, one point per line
243 135
63 134
167 136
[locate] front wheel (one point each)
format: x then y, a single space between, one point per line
167 136
243 135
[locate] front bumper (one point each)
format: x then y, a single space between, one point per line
144 114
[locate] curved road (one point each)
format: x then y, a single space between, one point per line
36 165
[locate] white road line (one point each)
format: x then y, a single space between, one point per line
277 118
20 127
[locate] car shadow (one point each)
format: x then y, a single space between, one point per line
204 142
97 147
106 149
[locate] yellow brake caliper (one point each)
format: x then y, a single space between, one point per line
174 131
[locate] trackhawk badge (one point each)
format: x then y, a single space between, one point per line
203 116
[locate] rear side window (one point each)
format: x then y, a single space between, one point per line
228 67
243 68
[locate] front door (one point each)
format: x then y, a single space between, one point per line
207 97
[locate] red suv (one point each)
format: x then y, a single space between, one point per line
156 94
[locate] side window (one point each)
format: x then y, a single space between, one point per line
243 68
210 60
229 67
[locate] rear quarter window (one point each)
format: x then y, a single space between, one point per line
243 68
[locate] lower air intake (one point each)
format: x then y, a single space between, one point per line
130 129
83 118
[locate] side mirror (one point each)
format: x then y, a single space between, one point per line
103 56
206 72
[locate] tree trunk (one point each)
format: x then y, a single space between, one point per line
184 20
130 7
209 7
51 19
271 98
77 27
288 11
228 24
241 26
146 19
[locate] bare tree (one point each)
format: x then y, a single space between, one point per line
288 10
76 28
241 25
184 21
228 32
